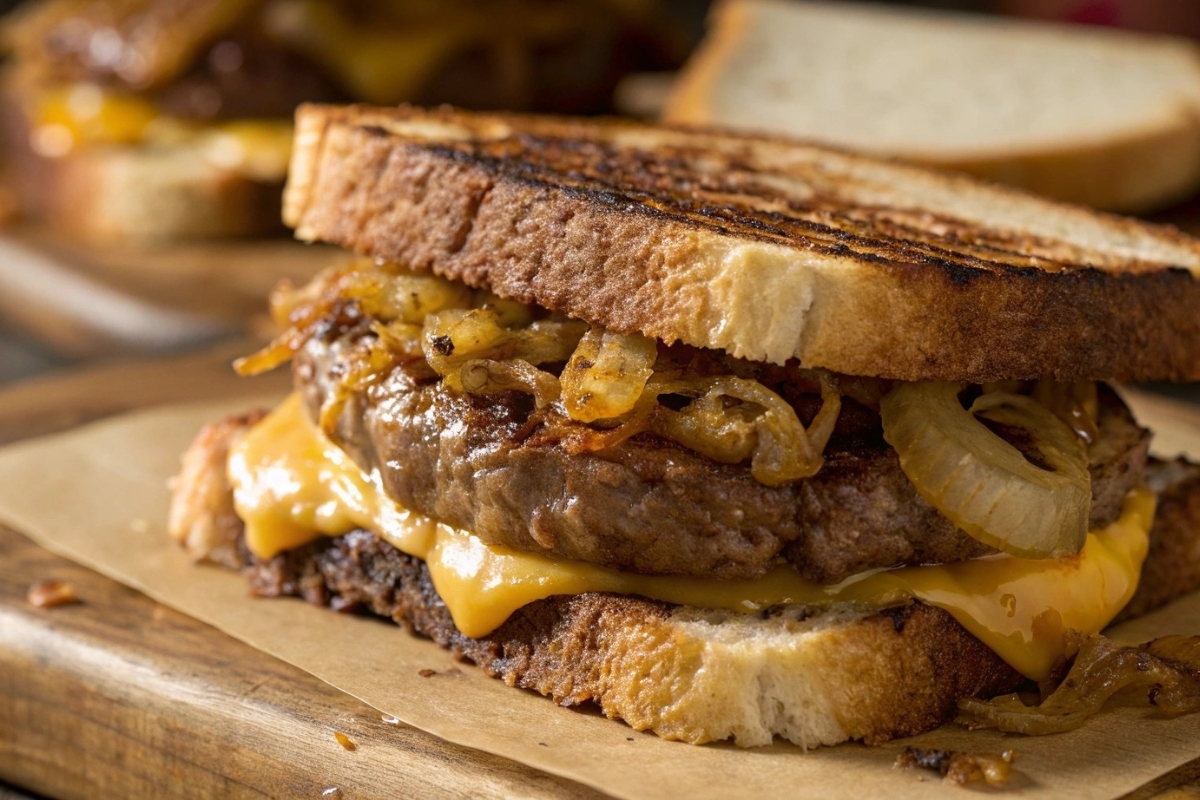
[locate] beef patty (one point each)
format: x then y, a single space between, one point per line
649 505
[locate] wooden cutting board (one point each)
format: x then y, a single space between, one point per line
118 696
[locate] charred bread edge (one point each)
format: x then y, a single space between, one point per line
614 262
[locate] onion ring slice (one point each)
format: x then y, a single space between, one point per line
979 481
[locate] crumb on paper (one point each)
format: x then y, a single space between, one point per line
388 719
345 741
50 594
958 767
427 673
454 672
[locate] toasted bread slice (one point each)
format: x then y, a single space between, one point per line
143 195
766 248
223 182
1094 116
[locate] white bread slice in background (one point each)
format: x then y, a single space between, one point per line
1106 118
145 195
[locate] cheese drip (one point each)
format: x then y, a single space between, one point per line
291 485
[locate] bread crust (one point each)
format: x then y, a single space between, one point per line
146 195
765 248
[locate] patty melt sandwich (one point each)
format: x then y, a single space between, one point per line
735 437
138 120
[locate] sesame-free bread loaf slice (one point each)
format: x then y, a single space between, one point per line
1092 115
152 195
767 248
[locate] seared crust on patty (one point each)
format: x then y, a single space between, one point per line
649 505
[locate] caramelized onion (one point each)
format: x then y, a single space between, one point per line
606 374
276 354
758 424
401 338
456 336
373 367
484 376
983 484
1167 668
958 767
404 297
609 388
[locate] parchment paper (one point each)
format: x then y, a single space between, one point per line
98 495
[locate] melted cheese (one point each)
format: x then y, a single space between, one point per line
291 484
84 115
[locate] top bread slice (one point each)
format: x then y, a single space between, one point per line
1106 118
766 248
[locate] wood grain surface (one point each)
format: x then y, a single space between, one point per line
118 696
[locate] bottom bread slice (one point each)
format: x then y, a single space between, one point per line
812 677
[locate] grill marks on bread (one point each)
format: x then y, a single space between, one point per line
764 248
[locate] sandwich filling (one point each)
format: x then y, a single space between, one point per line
292 485
420 400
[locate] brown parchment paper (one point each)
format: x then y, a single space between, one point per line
98 495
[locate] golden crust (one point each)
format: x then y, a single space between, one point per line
702 676
765 248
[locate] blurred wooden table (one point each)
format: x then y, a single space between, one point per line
86 301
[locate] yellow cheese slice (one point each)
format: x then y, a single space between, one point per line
291 484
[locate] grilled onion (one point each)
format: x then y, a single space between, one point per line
983 484
456 336
758 424
609 389
484 376
1167 668
1076 404
606 374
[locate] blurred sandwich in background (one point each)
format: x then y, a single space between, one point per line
160 120
1091 115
